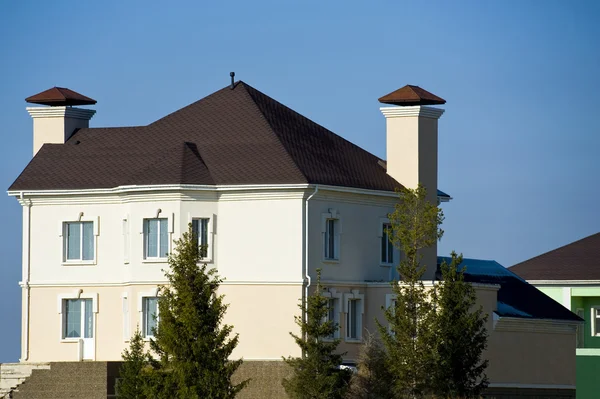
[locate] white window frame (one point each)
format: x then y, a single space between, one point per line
64 238
395 252
159 215
337 296
595 318
140 305
126 321
355 295
390 300
334 215
210 233
79 294
126 239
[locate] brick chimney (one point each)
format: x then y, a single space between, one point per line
412 145
58 120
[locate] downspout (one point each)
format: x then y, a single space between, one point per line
26 273
306 275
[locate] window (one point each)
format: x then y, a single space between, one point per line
333 315
78 318
156 238
387 249
150 316
332 243
354 311
78 241
596 321
200 230
352 319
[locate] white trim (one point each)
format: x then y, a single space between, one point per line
61 112
415 110
51 284
389 298
593 318
529 386
126 310
588 352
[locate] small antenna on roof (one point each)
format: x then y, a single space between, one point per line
232 74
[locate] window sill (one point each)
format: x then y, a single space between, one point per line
332 261
70 340
206 260
353 340
330 339
155 260
386 264
79 263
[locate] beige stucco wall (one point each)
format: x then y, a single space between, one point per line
262 315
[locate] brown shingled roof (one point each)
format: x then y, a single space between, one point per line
411 95
233 136
57 96
579 260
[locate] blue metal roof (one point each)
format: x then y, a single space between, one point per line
516 297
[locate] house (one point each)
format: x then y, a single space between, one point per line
274 196
571 276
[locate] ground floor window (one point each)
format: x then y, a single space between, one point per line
78 318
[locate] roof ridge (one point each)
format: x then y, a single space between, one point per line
337 136
263 116
554 250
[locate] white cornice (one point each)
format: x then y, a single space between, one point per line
57 284
61 112
512 324
416 110
563 283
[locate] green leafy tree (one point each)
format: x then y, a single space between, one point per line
373 380
410 339
317 374
131 382
461 336
191 342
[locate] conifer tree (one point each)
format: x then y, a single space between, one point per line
191 342
409 341
373 379
131 382
317 374
461 336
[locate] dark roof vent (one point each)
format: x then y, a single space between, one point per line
232 74
60 96
411 95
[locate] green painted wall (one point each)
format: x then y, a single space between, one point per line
555 293
588 369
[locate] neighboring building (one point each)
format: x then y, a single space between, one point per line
571 276
274 196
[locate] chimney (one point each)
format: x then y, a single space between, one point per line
56 123
412 146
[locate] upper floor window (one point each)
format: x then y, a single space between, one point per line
149 316
387 249
331 237
200 231
595 327
156 238
78 241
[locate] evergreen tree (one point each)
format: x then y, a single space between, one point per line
409 342
131 382
191 342
373 380
461 336
317 374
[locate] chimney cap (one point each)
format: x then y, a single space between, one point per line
58 96
411 95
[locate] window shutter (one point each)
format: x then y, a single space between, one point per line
171 222
97 226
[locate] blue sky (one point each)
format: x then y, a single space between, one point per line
518 142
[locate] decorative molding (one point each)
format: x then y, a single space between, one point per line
588 351
56 284
529 386
515 324
61 112
416 110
